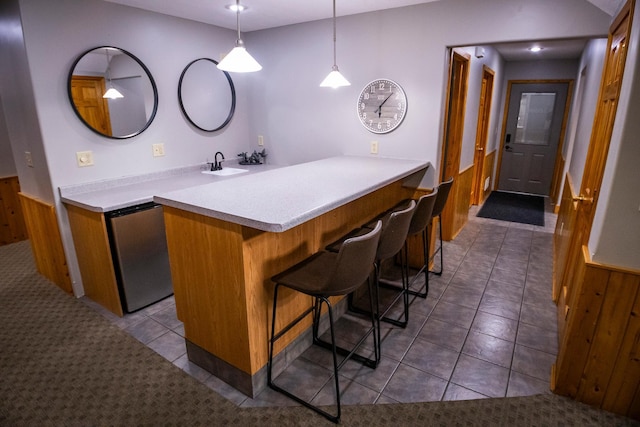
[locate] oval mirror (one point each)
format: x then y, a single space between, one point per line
112 92
206 94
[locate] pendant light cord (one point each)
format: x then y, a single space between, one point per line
238 17
335 63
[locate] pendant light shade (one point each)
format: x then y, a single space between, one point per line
335 79
239 60
111 93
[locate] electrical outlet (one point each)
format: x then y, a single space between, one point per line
260 140
28 159
374 147
158 150
84 158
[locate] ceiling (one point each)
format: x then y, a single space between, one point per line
263 14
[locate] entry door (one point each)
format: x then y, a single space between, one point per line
534 123
600 139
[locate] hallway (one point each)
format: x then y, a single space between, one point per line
487 329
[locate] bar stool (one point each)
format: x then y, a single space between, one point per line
420 225
321 276
395 226
443 194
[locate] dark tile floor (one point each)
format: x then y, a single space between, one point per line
487 329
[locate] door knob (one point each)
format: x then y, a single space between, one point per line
507 147
583 199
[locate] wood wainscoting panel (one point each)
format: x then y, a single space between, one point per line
93 251
598 361
12 226
489 164
562 236
207 272
221 275
46 242
456 211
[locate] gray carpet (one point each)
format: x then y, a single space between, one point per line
62 364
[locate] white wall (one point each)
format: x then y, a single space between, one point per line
19 105
41 120
409 45
615 237
283 102
164 44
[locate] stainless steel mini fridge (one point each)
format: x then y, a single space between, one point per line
141 260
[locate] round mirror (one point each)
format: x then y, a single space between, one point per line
207 95
112 92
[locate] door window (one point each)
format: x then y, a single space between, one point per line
534 118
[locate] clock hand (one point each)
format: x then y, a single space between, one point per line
379 110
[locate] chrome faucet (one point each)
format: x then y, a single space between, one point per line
217 164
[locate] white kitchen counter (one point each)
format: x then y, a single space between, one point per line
112 194
278 200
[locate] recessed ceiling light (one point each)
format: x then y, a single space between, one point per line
236 8
535 49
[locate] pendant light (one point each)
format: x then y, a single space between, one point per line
239 60
111 93
334 79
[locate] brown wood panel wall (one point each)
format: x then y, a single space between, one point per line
46 242
12 226
456 212
94 257
598 361
221 274
489 164
562 236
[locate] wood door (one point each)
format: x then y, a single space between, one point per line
482 134
454 219
86 92
534 125
600 139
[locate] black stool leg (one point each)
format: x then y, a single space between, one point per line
440 248
424 269
274 337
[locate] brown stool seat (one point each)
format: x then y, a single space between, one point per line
395 225
321 276
420 225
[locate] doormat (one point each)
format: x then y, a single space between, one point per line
514 207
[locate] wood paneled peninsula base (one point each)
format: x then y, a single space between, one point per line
227 239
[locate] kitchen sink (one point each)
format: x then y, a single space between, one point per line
225 171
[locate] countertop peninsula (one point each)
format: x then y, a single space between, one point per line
278 200
112 194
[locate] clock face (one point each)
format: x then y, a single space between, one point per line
382 106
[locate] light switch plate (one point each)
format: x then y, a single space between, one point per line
158 150
84 158
28 158
374 147
260 140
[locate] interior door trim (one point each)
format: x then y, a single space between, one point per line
563 127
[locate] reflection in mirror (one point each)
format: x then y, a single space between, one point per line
105 68
207 95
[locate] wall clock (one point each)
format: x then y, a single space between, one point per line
382 105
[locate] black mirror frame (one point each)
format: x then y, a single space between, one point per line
233 96
146 70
